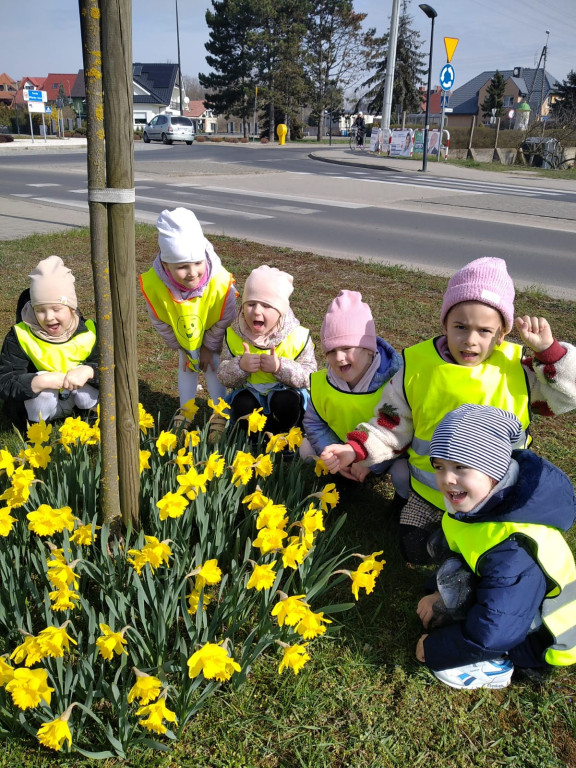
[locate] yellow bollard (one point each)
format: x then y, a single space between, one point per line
282 130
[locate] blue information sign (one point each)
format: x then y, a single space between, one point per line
34 95
447 77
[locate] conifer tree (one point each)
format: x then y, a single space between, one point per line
563 107
494 99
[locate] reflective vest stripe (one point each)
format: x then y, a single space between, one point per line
291 348
52 356
434 387
551 552
341 411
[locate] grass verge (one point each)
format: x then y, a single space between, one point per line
363 702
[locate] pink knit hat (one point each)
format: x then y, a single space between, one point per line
270 286
348 323
51 282
485 280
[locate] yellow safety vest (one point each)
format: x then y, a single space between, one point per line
291 348
341 411
434 387
553 555
53 356
191 318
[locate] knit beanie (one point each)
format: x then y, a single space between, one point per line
485 280
348 323
478 436
180 237
269 286
52 283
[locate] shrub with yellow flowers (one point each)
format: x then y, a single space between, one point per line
110 642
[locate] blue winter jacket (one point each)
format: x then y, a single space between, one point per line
318 432
511 586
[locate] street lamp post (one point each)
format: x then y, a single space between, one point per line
179 65
431 13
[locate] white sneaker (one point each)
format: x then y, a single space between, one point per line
484 674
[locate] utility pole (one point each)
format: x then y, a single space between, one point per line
390 67
179 65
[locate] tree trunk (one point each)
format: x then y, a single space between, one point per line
118 121
91 45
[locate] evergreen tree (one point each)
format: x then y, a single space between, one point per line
409 68
563 108
494 99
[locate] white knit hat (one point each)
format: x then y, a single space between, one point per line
180 237
270 286
52 283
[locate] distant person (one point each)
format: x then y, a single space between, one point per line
191 300
505 591
347 391
471 362
268 356
49 360
360 127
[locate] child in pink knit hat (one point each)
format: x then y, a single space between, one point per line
470 363
268 356
347 391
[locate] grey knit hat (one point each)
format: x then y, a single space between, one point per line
478 436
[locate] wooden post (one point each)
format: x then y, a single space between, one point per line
469 153
91 46
118 123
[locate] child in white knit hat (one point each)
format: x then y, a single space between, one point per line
347 391
191 300
49 361
268 356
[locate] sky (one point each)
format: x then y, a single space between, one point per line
44 37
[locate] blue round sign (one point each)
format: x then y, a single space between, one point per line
447 77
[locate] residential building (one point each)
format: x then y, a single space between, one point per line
203 118
8 88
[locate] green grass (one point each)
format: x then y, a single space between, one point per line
363 701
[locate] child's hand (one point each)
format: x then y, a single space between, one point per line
535 332
420 648
48 380
336 457
76 378
425 609
270 363
249 362
206 359
358 472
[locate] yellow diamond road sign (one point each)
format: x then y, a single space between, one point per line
450 44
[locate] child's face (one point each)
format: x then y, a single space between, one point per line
473 330
350 363
464 487
189 273
55 319
260 318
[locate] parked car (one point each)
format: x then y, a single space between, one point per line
169 128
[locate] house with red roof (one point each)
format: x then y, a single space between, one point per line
203 118
59 86
8 88
27 84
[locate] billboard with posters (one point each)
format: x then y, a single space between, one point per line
402 143
433 142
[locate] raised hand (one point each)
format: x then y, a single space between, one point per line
249 362
270 363
535 332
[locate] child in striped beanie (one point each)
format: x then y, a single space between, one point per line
505 513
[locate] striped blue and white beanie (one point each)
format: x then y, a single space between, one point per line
478 436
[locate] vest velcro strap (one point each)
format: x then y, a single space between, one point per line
426 478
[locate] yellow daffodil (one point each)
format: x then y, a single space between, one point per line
328 496
192 482
269 539
144 460
277 443
214 466
19 491
369 563
209 573
166 442
75 429
294 658
6 672
272 516
194 601
183 459
242 466
263 576
214 662
29 687
39 433
38 456
189 410
6 521
138 560
7 462
145 421
53 641
156 713
294 438
61 574
362 580
256 500
312 522
146 688
320 468
219 407
256 421
153 553
63 599
29 652
172 505
294 553
310 625
110 642
84 535
46 521
191 438
290 610
263 465
54 733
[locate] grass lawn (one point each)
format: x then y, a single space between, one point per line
363 701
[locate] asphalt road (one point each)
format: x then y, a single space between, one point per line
283 197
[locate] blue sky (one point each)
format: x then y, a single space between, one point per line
43 37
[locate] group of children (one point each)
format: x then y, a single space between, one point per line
448 420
